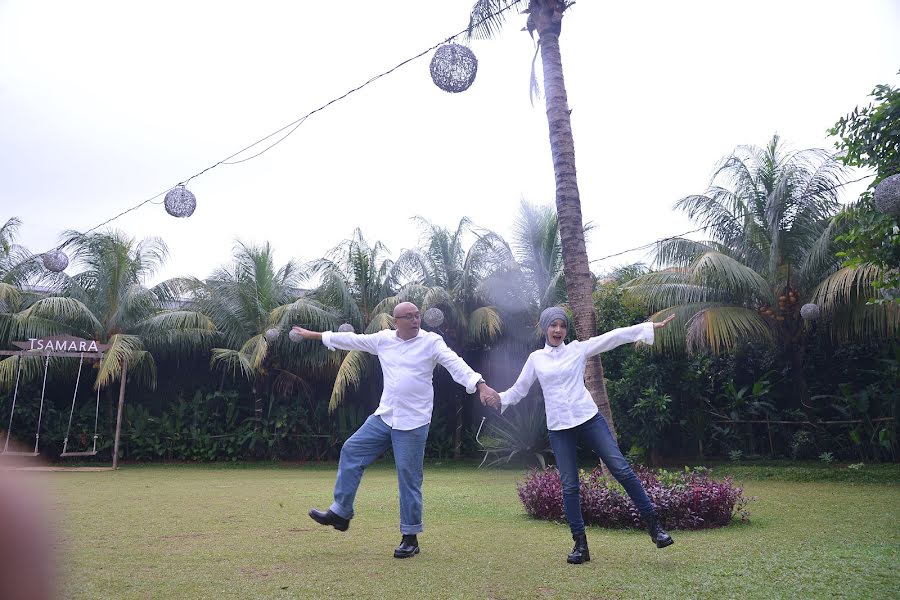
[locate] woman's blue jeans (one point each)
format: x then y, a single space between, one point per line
595 434
362 449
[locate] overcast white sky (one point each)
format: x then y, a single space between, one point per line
105 103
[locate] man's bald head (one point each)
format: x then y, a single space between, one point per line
405 308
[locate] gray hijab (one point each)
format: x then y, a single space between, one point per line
551 314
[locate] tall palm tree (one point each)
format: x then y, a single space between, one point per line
249 297
545 18
768 212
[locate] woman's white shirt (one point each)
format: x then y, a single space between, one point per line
560 371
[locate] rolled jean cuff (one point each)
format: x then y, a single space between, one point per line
340 511
411 529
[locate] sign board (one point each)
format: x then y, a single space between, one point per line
61 343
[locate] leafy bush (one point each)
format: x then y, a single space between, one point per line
803 445
520 434
691 499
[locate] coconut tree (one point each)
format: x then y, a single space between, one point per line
108 301
18 268
545 19
247 298
768 214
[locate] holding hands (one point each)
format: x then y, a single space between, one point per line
488 395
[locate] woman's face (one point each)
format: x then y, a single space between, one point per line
556 333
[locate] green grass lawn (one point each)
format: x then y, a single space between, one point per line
209 532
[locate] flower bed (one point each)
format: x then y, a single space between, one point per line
690 499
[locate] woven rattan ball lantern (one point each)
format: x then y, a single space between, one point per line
346 328
180 202
453 68
887 196
272 334
810 312
294 336
434 317
55 260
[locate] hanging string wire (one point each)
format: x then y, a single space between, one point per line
294 125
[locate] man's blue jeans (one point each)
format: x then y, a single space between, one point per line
595 434
362 449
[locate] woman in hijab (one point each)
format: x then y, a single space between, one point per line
572 417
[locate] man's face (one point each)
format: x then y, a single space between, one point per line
407 320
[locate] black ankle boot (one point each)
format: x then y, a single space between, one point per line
659 537
580 553
409 546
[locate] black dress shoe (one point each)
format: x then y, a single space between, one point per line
657 534
580 553
329 518
409 546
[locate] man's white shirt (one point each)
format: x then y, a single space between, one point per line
560 370
408 367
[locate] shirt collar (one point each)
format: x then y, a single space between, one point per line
548 348
418 335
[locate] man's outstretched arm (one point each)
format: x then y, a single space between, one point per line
341 341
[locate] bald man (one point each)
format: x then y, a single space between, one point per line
408 357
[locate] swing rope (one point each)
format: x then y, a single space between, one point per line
72 410
93 452
37 434
13 410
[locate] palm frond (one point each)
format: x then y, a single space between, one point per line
10 297
32 369
380 322
720 329
352 372
228 359
256 349
663 289
846 287
485 325
718 270
287 382
819 258
179 332
55 315
143 369
309 313
122 347
486 19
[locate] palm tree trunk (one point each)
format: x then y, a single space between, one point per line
579 281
